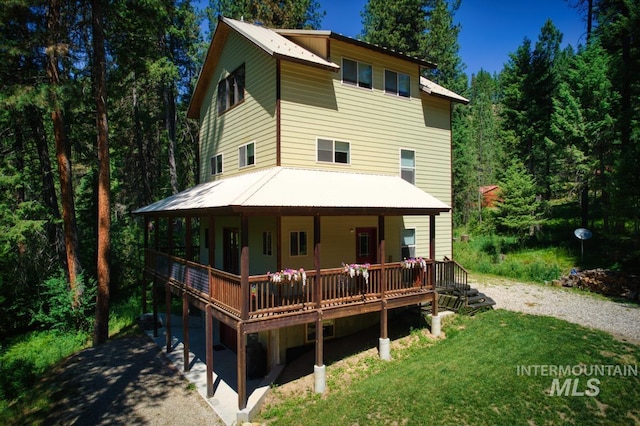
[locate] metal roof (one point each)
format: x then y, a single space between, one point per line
277 45
432 88
282 189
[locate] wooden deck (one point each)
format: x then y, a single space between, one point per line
273 305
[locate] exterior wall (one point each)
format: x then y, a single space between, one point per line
252 121
315 103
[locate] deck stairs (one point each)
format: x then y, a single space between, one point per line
454 292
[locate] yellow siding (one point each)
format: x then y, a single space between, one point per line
252 121
315 104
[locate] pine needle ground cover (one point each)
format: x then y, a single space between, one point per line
497 367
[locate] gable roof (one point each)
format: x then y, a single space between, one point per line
264 38
290 190
435 89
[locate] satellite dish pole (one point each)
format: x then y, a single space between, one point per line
582 234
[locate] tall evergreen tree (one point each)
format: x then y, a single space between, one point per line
299 14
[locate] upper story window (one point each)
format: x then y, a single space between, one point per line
216 164
332 151
231 90
357 73
397 83
408 165
247 155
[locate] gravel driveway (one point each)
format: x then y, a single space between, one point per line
618 318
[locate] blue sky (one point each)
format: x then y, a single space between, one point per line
491 29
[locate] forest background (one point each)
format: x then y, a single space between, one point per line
93 125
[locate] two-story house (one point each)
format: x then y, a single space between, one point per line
325 197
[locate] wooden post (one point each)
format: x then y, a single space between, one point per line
383 277
154 301
170 236
242 367
144 273
319 341
212 241
188 239
156 233
209 350
185 331
167 329
244 268
317 296
432 255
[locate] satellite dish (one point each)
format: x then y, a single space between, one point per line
582 234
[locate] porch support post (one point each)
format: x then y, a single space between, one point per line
244 267
212 240
185 331
188 238
209 350
170 235
242 367
167 328
278 243
384 343
432 255
154 301
319 368
317 290
144 270
156 233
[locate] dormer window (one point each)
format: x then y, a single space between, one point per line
231 90
357 73
397 83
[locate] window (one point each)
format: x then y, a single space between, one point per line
267 243
216 164
408 243
231 90
357 73
332 151
247 155
298 243
408 165
397 83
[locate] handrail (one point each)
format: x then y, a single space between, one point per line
223 289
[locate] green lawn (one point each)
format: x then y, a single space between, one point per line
471 377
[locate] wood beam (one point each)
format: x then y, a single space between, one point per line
185 331
319 340
167 328
245 291
154 301
432 255
209 350
188 239
242 367
383 281
317 289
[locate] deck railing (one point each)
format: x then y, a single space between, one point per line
267 298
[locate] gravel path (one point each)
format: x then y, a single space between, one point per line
618 318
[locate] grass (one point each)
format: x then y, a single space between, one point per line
25 360
471 377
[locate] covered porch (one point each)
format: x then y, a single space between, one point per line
252 303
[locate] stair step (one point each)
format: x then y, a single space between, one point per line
487 302
478 297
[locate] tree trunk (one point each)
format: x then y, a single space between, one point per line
63 154
55 232
101 329
170 124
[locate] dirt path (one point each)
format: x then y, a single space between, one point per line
126 381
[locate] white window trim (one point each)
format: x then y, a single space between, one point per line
221 155
357 83
333 151
397 92
255 159
415 163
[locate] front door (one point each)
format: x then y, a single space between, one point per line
366 245
231 250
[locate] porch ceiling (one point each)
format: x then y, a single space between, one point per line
290 191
